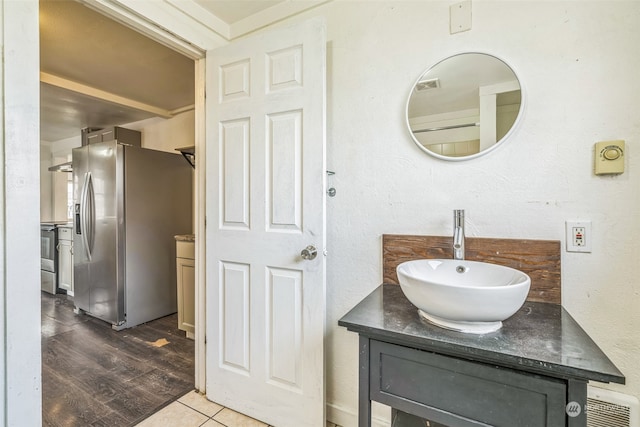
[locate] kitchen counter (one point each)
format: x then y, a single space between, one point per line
56 223
185 238
541 339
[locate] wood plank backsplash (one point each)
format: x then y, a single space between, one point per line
540 259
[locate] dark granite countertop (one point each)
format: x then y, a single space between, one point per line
540 338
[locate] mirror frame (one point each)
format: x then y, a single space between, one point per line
480 153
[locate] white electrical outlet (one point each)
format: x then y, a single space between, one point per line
578 236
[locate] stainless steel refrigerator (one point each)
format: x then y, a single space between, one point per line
129 204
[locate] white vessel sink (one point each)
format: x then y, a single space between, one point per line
466 296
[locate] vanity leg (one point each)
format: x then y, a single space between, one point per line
577 392
364 401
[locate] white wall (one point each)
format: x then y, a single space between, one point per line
46 185
578 64
53 185
167 134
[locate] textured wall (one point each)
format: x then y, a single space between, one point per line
46 186
578 65
167 134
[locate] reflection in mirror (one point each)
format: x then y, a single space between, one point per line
464 106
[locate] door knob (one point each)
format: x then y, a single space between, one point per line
309 253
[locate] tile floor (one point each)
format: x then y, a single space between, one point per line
194 410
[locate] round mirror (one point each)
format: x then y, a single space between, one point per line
464 106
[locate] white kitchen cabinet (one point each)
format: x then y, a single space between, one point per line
185 268
65 259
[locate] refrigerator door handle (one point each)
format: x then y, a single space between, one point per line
91 217
81 209
83 215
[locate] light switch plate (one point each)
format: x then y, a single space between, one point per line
460 17
609 157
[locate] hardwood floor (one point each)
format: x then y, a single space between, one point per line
95 376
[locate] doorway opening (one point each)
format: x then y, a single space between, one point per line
96 72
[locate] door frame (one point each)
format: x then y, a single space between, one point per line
20 338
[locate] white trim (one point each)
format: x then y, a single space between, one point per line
187 27
181 25
182 109
3 247
203 16
158 21
102 94
20 216
200 218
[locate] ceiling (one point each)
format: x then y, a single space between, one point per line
232 11
96 72
459 80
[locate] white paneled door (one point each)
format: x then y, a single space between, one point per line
265 110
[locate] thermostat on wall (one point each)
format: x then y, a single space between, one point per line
609 157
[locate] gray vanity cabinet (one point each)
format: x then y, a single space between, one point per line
526 374
459 393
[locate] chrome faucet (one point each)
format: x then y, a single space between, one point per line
458 234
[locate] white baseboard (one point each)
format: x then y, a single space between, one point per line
345 417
